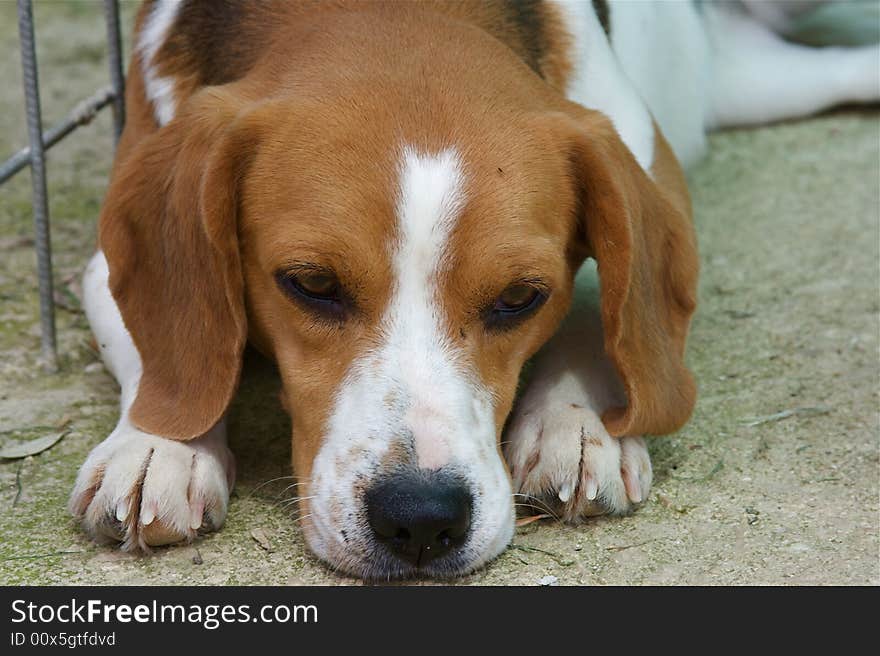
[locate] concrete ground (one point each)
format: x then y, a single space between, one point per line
773 481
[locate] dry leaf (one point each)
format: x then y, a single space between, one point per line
31 447
261 538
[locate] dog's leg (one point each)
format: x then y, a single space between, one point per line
140 489
556 446
758 77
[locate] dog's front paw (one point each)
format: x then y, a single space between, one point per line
143 490
561 458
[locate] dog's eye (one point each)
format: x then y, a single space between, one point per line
516 298
514 304
319 290
320 285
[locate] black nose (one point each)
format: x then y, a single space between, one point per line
421 515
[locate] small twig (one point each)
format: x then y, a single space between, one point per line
556 557
261 538
808 411
739 314
525 521
18 484
630 546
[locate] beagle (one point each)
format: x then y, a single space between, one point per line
395 202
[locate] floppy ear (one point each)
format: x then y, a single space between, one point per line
168 229
638 227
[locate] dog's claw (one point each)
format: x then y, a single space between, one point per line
565 491
198 511
148 514
591 488
632 485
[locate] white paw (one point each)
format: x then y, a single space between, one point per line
143 490
561 456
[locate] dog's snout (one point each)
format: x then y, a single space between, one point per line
420 515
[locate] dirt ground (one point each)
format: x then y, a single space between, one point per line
773 481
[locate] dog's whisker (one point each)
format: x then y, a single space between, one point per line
292 485
289 502
286 503
289 487
534 507
538 500
265 483
529 505
298 497
544 507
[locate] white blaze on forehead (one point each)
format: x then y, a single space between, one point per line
160 90
413 389
429 202
430 199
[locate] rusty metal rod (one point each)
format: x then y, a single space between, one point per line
114 51
42 241
82 114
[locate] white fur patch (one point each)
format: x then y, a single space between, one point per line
599 83
662 50
412 392
429 202
116 346
159 90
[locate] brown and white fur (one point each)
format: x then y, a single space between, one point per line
427 156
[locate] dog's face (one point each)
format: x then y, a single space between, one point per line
400 269
400 289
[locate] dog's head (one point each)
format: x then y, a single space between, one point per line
400 247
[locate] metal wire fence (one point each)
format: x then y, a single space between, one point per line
40 141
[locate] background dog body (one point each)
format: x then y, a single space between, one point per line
696 67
